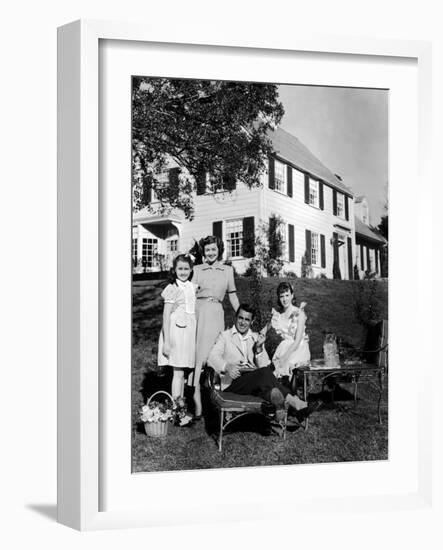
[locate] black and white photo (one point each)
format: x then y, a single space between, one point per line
260 274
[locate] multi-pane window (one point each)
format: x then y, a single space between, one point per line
149 249
315 249
280 177
313 193
161 183
234 238
215 185
340 205
283 229
172 245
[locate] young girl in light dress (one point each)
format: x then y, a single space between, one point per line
177 338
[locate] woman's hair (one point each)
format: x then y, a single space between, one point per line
211 239
186 258
284 287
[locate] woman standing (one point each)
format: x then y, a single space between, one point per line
213 280
289 323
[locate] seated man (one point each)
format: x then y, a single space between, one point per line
237 350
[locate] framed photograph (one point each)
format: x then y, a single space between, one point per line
224 276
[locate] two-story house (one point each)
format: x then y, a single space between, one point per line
316 207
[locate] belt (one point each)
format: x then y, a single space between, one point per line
208 299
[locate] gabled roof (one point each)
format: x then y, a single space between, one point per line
289 148
363 230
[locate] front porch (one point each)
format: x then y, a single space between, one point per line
155 242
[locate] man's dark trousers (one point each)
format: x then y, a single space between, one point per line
258 382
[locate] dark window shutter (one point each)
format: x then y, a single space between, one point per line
350 267
201 182
271 171
334 202
323 250
217 229
291 239
308 247
306 189
376 260
229 182
321 194
289 180
368 259
362 259
346 207
248 237
173 176
335 268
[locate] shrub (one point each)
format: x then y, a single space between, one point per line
368 302
269 246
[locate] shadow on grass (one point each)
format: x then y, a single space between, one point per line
154 381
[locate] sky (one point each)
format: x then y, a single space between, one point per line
347 130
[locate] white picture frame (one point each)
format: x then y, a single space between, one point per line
81 294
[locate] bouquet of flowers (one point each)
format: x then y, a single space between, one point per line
154 411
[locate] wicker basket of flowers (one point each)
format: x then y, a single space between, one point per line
157 415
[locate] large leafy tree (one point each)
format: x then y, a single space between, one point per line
206 127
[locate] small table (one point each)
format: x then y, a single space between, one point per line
353 372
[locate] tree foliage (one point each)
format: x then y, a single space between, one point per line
269 248
204 127
383 226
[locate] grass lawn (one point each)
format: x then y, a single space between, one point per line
336 433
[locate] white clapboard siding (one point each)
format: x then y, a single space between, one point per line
261 203
241 203
295 211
